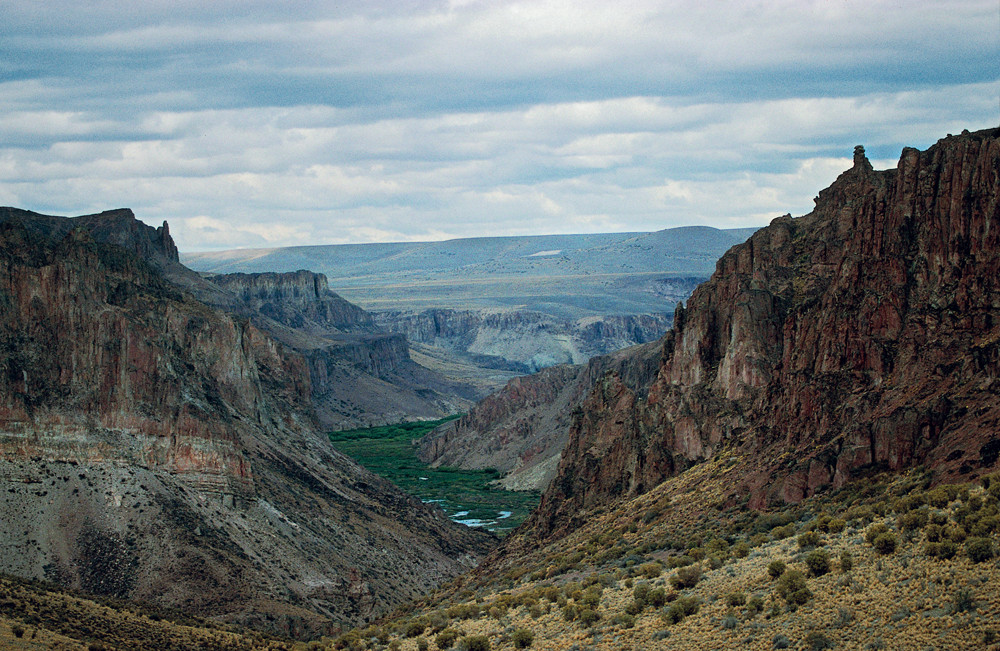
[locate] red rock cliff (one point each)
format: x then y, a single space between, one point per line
863 336
154 448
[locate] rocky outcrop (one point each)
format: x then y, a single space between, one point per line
300 300
864 336
154 448
524 340
522 429
360 376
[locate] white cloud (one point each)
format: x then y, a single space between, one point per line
249 125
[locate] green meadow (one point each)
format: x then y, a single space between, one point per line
464 495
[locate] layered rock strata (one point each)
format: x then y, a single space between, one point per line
154 448
864 336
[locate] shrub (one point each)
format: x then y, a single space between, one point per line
635 607
933 532
780 642
776 568
979 549
476 643
588 616
874 531
846 561
740 550
591 597
686 577
913 520
422 644
522 638
446 638
861 512
657 597
651 570
780 533
939 497
735 599
729 622
885 543
818 562
986 526
416 627
955 533
641 591
808 539
680 609
818 642
792 587
624 620
755 605
964 600
569 612
17 630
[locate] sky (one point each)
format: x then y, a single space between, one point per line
265 124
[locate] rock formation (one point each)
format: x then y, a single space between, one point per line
523 340
360 376
154 448
522 429
864 336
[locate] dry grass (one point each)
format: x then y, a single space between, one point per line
902 600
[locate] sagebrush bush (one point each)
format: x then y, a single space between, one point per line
735 599
686 577
780 533
657 597
913 520
776 568
446 638
874 531
885 543
792 587
846 561
979 550
588 616
476 643
522 638
818 562
651 570
680 609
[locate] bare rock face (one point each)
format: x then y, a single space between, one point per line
523 340
155 448
359 375
300 299
522 429
864 336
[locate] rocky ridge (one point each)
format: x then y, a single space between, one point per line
523 340
359 375
861 337
522 429
155 448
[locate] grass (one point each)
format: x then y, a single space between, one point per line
389 451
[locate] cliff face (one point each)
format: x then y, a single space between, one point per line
522 429
154 448
863 336
301 300
359 375
523 340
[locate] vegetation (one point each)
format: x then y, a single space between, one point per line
388 451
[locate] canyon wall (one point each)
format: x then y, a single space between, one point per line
524 340
155 448
862 337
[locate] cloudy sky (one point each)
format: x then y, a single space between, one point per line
259 124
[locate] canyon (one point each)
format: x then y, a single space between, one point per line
860 338
155 448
